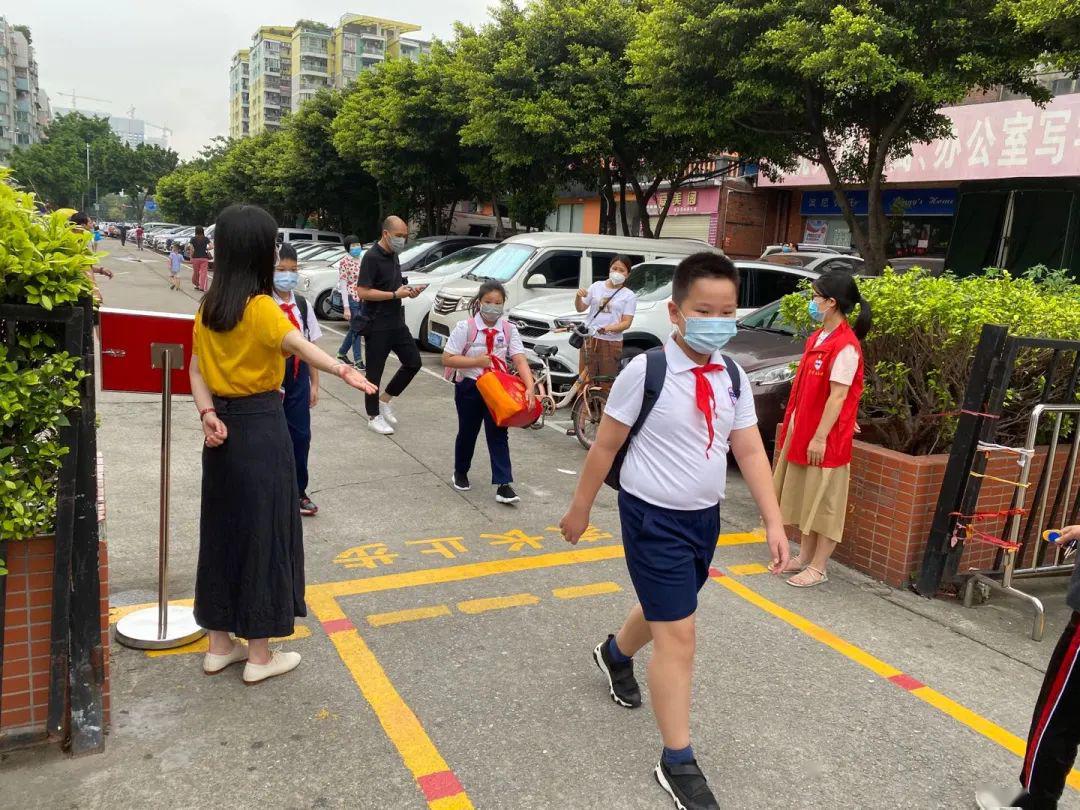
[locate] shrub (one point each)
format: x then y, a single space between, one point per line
918 355
43 262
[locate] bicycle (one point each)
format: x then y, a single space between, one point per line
587 396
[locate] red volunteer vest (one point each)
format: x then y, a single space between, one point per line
810 392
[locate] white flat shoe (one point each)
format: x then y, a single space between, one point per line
279 664
387 413
213 663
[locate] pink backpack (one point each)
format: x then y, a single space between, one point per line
451 374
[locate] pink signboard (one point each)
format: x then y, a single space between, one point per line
703 200
991 141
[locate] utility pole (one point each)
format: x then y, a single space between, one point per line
87 191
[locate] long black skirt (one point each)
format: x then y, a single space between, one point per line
250 579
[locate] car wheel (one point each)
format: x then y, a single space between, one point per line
322 306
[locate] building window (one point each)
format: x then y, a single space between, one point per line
567 218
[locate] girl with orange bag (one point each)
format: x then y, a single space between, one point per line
476 345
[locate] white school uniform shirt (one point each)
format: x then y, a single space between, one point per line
845 364
666 464
478 348
314 331
619 306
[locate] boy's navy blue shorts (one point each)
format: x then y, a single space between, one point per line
668 552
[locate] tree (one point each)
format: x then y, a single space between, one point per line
1059 20
851 86
146 166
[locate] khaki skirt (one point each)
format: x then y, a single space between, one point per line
604 356
812 498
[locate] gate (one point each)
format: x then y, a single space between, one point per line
1051 369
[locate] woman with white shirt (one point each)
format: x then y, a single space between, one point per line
812 474
475 345
611 306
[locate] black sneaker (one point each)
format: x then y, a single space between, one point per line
505 494
621 681
461 482
359 365
686 784
343 358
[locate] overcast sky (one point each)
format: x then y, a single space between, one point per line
170 60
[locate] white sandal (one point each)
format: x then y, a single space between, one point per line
823 578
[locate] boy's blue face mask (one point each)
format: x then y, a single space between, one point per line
708 335
286 280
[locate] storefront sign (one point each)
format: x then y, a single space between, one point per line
687 201
990 141
914 202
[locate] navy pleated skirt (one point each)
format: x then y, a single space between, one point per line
250 579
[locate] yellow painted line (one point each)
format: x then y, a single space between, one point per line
398 721
473 606
976 722
203 644
117 613
747 569
410 615
578 591
739 539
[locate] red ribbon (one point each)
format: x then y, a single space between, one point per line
287 309
706 397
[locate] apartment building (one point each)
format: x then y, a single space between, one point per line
24 106
287 65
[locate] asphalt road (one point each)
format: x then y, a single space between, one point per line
447 646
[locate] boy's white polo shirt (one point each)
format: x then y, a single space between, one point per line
666 463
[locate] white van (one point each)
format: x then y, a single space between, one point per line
531 265
308 235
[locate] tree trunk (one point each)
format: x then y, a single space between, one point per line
662 216
500 232
622 206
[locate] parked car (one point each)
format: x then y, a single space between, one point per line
806 247
532 265
158 238
309 235
818 262
760 283
319 278
430 249
436 276
935 266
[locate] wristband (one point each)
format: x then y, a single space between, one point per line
205 411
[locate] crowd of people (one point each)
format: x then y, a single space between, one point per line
672 417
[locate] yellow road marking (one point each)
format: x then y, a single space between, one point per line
578 591
932 697
497 603
410 615
739 539
203 644
458 802
747 569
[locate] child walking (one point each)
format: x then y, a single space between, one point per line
176 261
676 412
301 384
813 471
476 344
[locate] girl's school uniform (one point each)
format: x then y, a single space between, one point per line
175 262
474 338
815 498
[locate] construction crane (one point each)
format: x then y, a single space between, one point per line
165 131
75 97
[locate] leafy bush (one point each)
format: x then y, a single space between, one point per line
918 355
43 262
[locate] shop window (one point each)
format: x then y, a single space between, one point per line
980 216
567 218
1040 225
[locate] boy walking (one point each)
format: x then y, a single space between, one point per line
175 263
671 485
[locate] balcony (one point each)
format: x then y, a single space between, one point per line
315 66
22 84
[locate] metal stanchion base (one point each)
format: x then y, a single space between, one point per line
140 629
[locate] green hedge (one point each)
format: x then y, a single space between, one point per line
43 262
918 355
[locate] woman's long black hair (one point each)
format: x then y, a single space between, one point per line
245 241
841 287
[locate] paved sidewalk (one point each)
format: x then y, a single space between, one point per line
448 639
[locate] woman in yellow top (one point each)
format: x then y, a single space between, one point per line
250 578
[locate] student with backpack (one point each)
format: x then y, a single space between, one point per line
670 420
301 385
478 343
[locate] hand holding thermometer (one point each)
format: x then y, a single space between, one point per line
1055 536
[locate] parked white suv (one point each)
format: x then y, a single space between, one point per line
532 265
308 235
760 283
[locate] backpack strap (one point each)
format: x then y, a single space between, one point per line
508 329
302 305
735 373
655 374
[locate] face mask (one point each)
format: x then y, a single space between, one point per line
785 249
618 279
707 335
286 280
355 251
397 243
815 311
491 312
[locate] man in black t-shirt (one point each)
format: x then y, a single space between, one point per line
381 288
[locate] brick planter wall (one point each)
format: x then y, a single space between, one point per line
892 501
24 692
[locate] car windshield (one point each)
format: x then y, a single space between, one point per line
456 262
415 251
502 263
792 259
651 282
769 319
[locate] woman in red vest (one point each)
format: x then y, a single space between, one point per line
812 473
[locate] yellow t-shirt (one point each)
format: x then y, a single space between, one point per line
248 358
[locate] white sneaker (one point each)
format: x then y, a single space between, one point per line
279 664
387 413
989 799
380 426
214 663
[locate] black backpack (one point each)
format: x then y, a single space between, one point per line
655 375
302 305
